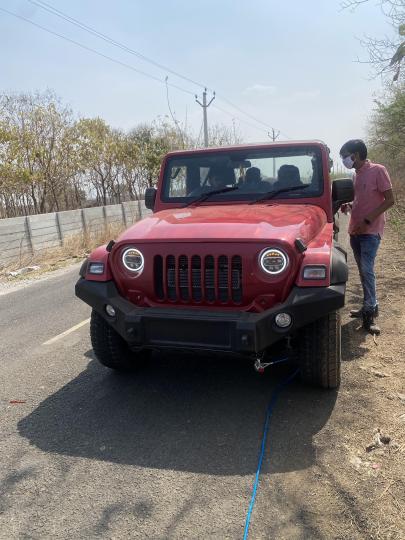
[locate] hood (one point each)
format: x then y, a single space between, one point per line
230 223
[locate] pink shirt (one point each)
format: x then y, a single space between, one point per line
370 182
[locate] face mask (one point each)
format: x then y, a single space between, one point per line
348 162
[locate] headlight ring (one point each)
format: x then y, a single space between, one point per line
273 261
133 260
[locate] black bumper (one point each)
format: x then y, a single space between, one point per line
239 332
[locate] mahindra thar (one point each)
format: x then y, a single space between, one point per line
240 255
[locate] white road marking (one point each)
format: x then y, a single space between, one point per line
66 332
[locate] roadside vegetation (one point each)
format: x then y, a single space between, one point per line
387 146
386 130
51 160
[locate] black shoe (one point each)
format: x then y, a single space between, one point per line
358 313
369 323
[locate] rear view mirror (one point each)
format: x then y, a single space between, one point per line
342 192
241 164
150 197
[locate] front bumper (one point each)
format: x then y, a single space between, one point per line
239 332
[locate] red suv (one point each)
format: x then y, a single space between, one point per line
239 256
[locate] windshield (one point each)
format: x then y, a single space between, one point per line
253 172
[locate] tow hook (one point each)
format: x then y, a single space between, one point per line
260 366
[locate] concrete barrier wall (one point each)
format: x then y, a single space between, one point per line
28 235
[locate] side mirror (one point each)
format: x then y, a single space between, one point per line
342 192
150 197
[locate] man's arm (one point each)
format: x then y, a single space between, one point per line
388 202
361 228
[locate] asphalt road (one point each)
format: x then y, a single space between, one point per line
170 452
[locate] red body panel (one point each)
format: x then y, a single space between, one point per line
227 229
233 223
318 253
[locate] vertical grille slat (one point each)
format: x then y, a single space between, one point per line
171 277
202 266
164 277
183 277
158 277
209 281
236 270
222 279
198 279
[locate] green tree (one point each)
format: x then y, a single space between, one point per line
387 132
41 157
386 54
100 148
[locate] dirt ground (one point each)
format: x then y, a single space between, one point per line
359 492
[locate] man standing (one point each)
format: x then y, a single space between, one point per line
373 195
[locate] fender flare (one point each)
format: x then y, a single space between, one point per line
339 270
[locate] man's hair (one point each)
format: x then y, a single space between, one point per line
353 146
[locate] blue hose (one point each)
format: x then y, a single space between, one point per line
269 412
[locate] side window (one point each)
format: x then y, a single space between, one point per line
178 186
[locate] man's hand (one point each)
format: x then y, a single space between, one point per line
359 228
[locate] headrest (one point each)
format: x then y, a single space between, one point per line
289 174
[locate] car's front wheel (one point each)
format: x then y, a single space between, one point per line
320 351
110 348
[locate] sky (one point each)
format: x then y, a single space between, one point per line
290 65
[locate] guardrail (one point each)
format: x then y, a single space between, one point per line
22 236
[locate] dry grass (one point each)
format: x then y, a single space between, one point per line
397 219
397 213
74 249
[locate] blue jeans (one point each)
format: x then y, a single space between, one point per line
365 247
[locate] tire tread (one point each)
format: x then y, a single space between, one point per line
110 349
320 352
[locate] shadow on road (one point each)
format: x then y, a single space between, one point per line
182 413
354 341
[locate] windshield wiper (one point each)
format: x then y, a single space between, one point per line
205 196
270 194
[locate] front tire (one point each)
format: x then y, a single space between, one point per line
320 352
110 348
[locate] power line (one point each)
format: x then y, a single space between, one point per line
50 9
176 123
240 119
247 114
76 22
123 64
85 47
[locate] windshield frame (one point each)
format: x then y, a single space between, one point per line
243 153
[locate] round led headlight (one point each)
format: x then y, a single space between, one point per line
273 261
133 260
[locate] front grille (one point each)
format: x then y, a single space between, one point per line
198 279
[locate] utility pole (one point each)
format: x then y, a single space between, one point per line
273 136
205 106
